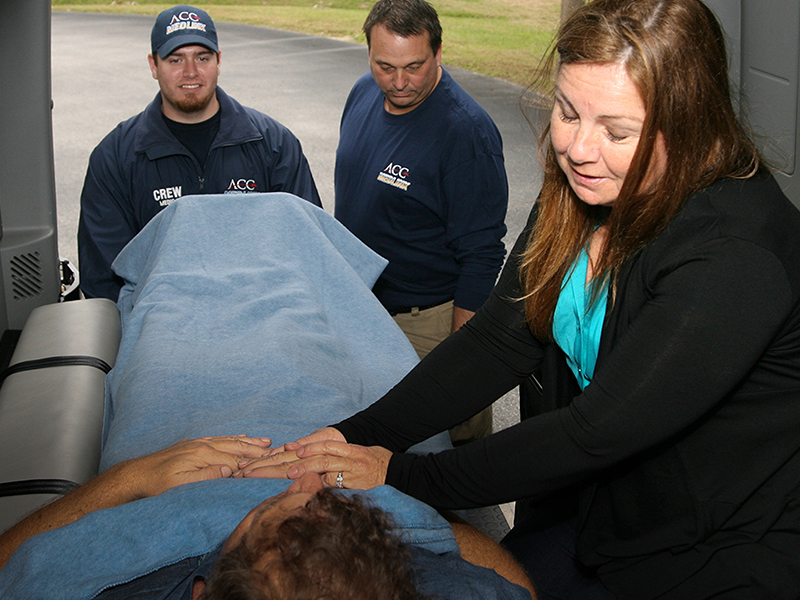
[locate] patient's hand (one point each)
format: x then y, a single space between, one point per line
189 461
184 462
361 467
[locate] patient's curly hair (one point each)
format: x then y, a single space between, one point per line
335 548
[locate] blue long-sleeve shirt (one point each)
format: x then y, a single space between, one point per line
426 190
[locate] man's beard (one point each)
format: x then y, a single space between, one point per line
192 103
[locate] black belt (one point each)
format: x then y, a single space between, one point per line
408 309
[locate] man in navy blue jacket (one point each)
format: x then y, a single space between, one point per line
192 138
420 179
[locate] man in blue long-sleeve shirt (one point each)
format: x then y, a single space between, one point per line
420 178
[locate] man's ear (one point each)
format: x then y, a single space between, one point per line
152 62
198 588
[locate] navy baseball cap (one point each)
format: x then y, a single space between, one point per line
181 26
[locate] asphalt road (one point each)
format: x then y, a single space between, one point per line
100 77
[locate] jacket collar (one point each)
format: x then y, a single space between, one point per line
156 140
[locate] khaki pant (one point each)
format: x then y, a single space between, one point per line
425 329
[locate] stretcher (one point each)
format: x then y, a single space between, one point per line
157 383
51 403
51 409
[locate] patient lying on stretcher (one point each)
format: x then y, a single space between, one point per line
305 542
248 316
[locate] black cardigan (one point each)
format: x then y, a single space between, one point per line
685 446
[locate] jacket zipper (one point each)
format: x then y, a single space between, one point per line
202 178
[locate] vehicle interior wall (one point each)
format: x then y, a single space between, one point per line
764 48
28 244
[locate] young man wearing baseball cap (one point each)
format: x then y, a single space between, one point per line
192 138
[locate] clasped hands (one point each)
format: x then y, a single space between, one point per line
186 461
327 453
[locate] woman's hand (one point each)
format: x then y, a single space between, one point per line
326 433
339 464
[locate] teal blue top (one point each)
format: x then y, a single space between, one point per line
576 326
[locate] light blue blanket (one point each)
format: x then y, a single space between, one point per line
247 315
252 315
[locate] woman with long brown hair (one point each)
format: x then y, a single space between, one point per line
655 293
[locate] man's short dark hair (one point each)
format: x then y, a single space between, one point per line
406 18
336 547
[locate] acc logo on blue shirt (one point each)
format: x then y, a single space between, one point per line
395 175
396 170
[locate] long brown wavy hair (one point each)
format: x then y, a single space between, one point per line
674 53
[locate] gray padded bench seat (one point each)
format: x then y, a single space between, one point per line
51 404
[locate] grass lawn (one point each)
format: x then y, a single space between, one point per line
499 38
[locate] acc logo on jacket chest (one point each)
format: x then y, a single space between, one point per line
241 186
